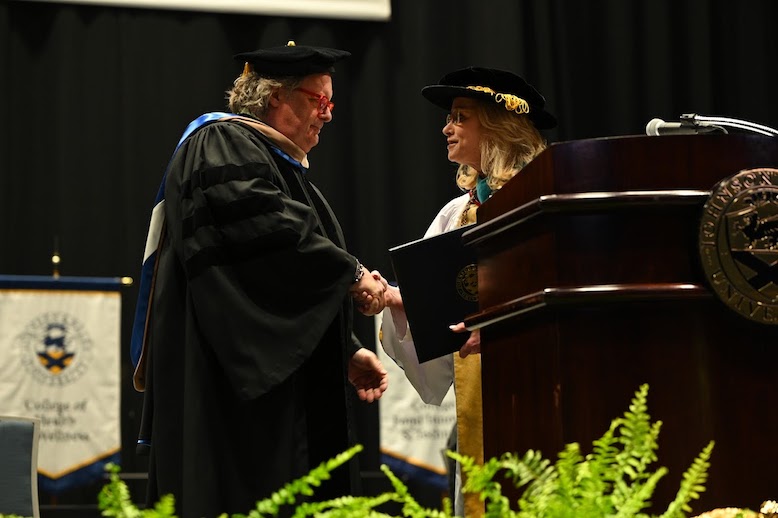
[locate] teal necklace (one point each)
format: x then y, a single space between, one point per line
482 189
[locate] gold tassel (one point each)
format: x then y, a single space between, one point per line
246 69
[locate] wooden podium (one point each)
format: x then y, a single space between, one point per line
597 272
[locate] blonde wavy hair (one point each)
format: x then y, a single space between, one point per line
509 141
250 93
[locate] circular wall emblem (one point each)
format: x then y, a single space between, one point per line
467 283
738 243
54 349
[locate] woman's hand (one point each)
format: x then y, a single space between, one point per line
392 294
473 343
368 294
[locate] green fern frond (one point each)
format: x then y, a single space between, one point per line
350 506
692 484
542 489
304 485
568 465
570 468
165 507
114 499
480 479
599 471
638 497
411 507
400 488
638 437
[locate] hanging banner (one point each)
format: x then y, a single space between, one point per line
413 435
60 344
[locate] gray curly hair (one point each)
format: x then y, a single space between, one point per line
250 93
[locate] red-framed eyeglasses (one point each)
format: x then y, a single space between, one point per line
324 101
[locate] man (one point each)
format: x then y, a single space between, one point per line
248 342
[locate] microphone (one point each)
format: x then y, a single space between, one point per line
657 127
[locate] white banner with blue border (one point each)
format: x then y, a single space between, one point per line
60 344
413 435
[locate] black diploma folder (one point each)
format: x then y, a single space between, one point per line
438 281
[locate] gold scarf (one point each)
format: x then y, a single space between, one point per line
469 405
470 418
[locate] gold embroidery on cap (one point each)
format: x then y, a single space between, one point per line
482 89
512 102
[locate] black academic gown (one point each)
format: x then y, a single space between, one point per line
250 330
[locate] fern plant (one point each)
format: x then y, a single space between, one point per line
614 480
114 498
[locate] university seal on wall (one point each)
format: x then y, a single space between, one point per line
467 283
738 243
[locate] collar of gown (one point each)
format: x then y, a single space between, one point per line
277 138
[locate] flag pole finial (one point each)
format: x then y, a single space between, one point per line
55 260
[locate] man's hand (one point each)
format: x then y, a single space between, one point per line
473 344
368 375
368 293
392 294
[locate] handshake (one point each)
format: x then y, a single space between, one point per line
372 293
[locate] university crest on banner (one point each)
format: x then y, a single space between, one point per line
60 345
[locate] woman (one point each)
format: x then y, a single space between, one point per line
492 133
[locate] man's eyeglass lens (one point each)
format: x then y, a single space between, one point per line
324 101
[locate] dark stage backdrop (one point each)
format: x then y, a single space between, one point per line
93 100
